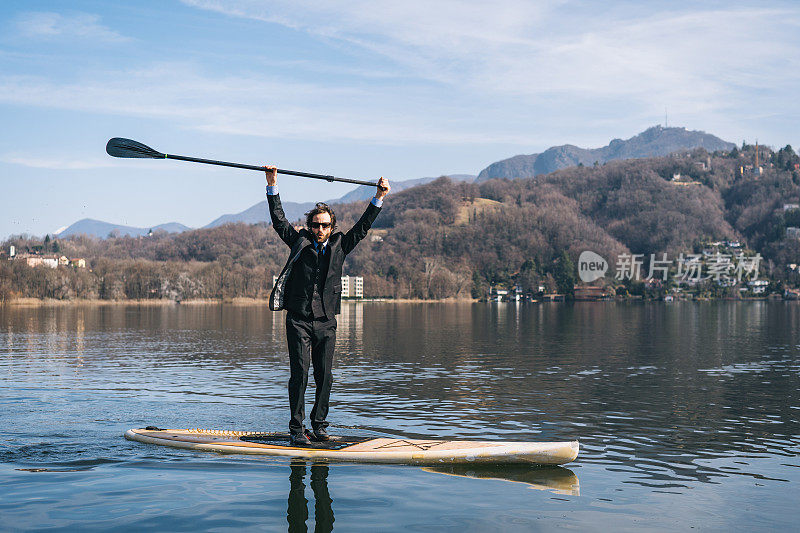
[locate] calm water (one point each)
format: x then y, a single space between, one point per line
687 415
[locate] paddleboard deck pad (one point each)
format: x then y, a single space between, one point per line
362 449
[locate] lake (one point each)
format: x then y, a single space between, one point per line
687 414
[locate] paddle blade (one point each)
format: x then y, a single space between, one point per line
119 147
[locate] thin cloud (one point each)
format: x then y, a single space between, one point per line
254 106
534 49
517 73
53 163
51 25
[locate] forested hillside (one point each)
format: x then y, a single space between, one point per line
456 239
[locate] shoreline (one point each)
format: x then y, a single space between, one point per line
256 302
240 301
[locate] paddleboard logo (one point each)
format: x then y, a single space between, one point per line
591 266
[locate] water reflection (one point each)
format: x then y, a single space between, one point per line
297 512
665 396
555 479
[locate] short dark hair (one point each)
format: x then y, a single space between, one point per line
321 207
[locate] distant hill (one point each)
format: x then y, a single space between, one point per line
449 239
363 192
294 211
653 142
260 213
252 215
98 228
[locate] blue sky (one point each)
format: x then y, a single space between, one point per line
357 89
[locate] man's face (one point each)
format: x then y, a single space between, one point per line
321 226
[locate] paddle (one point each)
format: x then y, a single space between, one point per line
119 147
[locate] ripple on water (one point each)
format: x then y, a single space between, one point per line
675 407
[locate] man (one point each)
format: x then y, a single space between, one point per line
310 289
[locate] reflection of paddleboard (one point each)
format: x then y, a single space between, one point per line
362 449
556 479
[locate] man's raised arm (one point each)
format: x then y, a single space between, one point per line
360 228
285 230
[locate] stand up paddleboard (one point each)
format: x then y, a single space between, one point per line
362 449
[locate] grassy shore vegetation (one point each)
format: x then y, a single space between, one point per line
457 240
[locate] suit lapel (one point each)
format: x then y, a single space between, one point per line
334 249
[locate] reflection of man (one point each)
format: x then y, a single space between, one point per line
297 512
310 288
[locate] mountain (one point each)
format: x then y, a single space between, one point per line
468 237
653 142
98 228
294 211
252 215
363 192
260 213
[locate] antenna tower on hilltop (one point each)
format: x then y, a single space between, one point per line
756 155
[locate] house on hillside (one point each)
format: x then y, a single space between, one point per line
678 179
758 286
516 294
33 260
750 170
590 293
500 294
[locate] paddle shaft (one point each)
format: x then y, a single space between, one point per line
262 169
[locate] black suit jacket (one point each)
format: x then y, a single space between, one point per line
296 282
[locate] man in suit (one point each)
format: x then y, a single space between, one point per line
310 289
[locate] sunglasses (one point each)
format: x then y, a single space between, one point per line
323 225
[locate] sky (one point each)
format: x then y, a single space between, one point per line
357 89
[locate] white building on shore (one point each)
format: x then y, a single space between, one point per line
352 286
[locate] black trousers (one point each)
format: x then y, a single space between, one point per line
310 342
